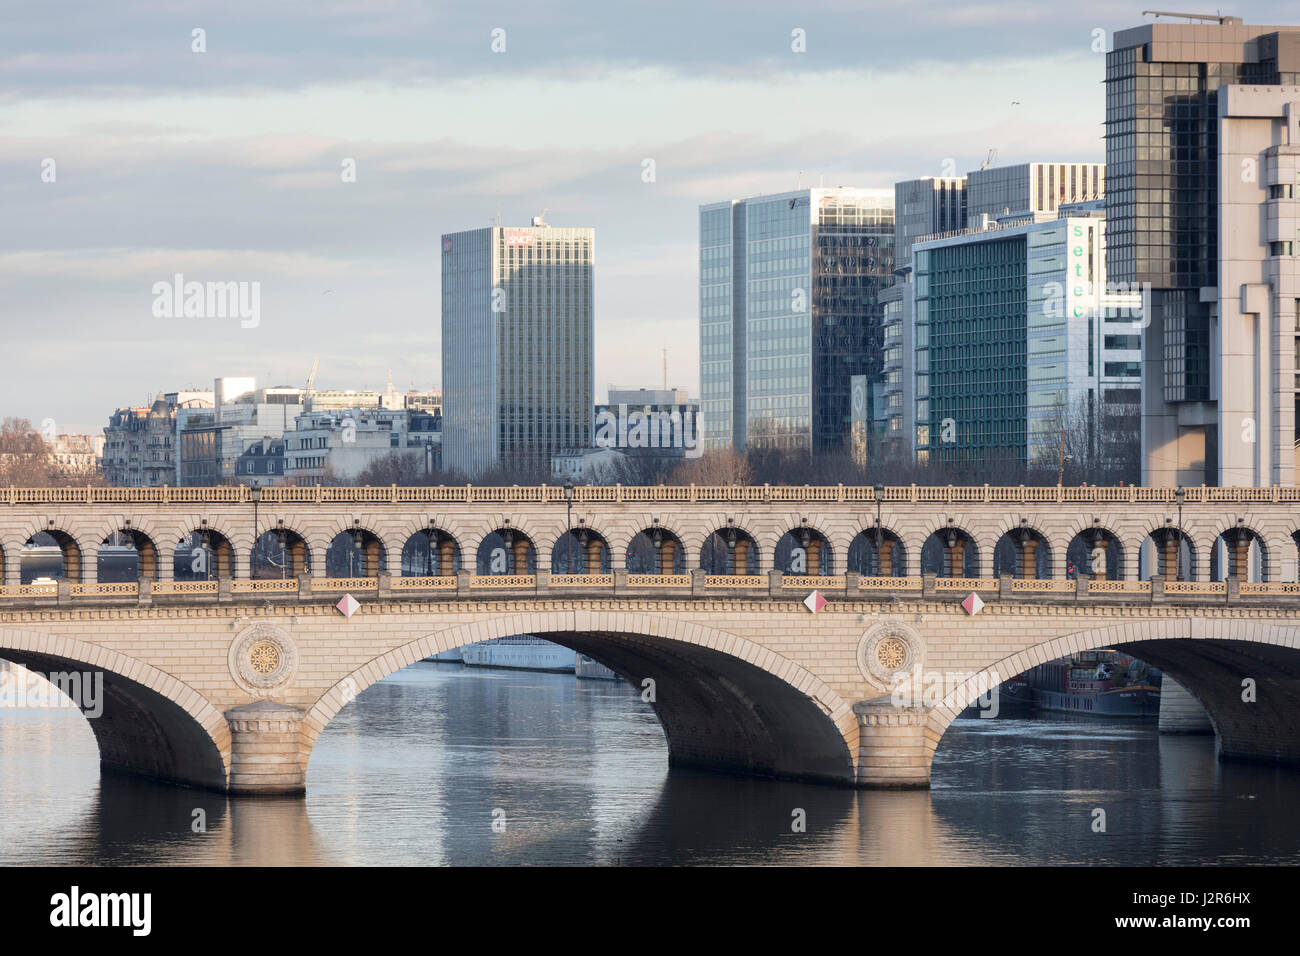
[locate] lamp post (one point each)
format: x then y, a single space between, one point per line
1179 495
568 525
282 537
252 559
205 542
880 494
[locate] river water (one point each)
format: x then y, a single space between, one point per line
442 764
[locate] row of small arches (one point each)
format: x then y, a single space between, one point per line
206 554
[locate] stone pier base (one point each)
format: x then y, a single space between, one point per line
1180 712
891 749
264 749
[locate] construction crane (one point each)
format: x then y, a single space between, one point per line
310 389
990 159
1222 21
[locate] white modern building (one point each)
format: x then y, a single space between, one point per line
342 444
517 344
211 440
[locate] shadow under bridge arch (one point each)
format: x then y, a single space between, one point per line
148 724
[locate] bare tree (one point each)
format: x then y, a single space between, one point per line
717 467
25 458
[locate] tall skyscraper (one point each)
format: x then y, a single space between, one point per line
1200 151
789 313
517 344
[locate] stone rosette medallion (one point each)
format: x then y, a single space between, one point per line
262 658
889 653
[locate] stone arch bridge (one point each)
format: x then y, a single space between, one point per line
225 680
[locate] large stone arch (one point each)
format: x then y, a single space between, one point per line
725 702
1210 659
152 724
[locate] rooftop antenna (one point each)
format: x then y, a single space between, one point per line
665 351
798 180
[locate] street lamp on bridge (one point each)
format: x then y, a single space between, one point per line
1179 495
880 494
568 525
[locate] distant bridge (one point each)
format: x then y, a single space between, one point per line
224 680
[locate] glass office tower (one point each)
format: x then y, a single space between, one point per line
789 313
1163 205
517 344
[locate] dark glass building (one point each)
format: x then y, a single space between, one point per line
789 313
1163 213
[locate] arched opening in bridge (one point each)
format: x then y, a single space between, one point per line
729 550
1023 553
950 553
355 553
51 554
804 550
203 555
719 711
137 723
1169 553
280 553
580 551
430 553
1097 553
656 550
1248 684
127 554
878 552
506 550
1239 552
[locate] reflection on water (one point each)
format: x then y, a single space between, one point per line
422 765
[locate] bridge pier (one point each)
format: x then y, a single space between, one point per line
892 752
265 749
1180 712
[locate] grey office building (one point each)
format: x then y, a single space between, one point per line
790 312
517 344
1031 190
1201 145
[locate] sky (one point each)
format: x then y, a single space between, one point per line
128 156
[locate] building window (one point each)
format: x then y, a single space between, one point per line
1280 248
